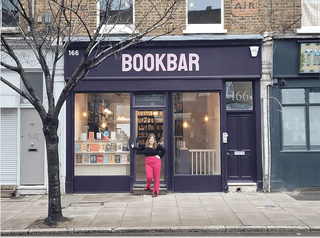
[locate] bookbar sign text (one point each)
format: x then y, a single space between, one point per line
160 62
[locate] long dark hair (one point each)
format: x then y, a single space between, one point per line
155 144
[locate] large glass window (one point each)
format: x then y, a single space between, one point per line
310 16
10 16
197 133
301 119
102 133
204 16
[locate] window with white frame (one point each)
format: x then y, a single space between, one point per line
10 15
301 119
118 15
310 22
204 16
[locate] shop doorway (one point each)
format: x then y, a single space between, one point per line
240 147
147 121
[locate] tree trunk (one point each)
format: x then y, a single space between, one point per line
54 199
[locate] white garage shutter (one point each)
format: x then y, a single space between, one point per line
9 152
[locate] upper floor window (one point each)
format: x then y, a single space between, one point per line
9 13
310 16
204 16
119 15
36 81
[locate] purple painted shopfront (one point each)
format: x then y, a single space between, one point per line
200 97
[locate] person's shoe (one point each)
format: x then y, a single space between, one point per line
155 194
147 189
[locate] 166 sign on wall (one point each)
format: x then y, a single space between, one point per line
310 58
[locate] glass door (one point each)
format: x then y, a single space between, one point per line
148 121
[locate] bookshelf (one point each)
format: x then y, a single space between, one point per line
149 122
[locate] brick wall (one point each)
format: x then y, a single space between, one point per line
240 16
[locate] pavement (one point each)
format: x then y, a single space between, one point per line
114 213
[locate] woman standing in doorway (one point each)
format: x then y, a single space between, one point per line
153 152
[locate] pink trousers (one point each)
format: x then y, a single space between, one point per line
153 168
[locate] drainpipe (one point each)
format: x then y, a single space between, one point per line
266 82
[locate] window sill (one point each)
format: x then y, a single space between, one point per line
309 30
118 29
204 29
10 30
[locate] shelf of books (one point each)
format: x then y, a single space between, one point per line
149 122
98 157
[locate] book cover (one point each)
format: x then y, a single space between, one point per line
78 159
111 159
98 135
86 159
88 147
95 147
124 159
93 159
102 147
91 135
113 146
83 147
107 146
113 135
106 134
125 147
117 159
119 146
83 136
106 159
77 147
99 158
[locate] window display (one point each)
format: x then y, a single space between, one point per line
102 133
197 133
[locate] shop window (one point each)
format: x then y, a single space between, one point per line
239 95
301 119
197 133
204 16
120 14
102 133
310 22
36 81
10 15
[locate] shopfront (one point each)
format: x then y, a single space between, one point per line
200 98
295 114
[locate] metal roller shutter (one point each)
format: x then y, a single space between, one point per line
9 152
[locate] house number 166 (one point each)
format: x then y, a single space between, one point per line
73 52
242 96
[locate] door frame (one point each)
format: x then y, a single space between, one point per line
133 132
257 126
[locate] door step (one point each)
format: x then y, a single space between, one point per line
242 187
138 189
8 191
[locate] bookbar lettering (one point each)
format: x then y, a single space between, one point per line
160 62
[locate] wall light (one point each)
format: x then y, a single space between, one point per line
185 124
206 118
84 114
106 110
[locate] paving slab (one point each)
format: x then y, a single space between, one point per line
177 212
